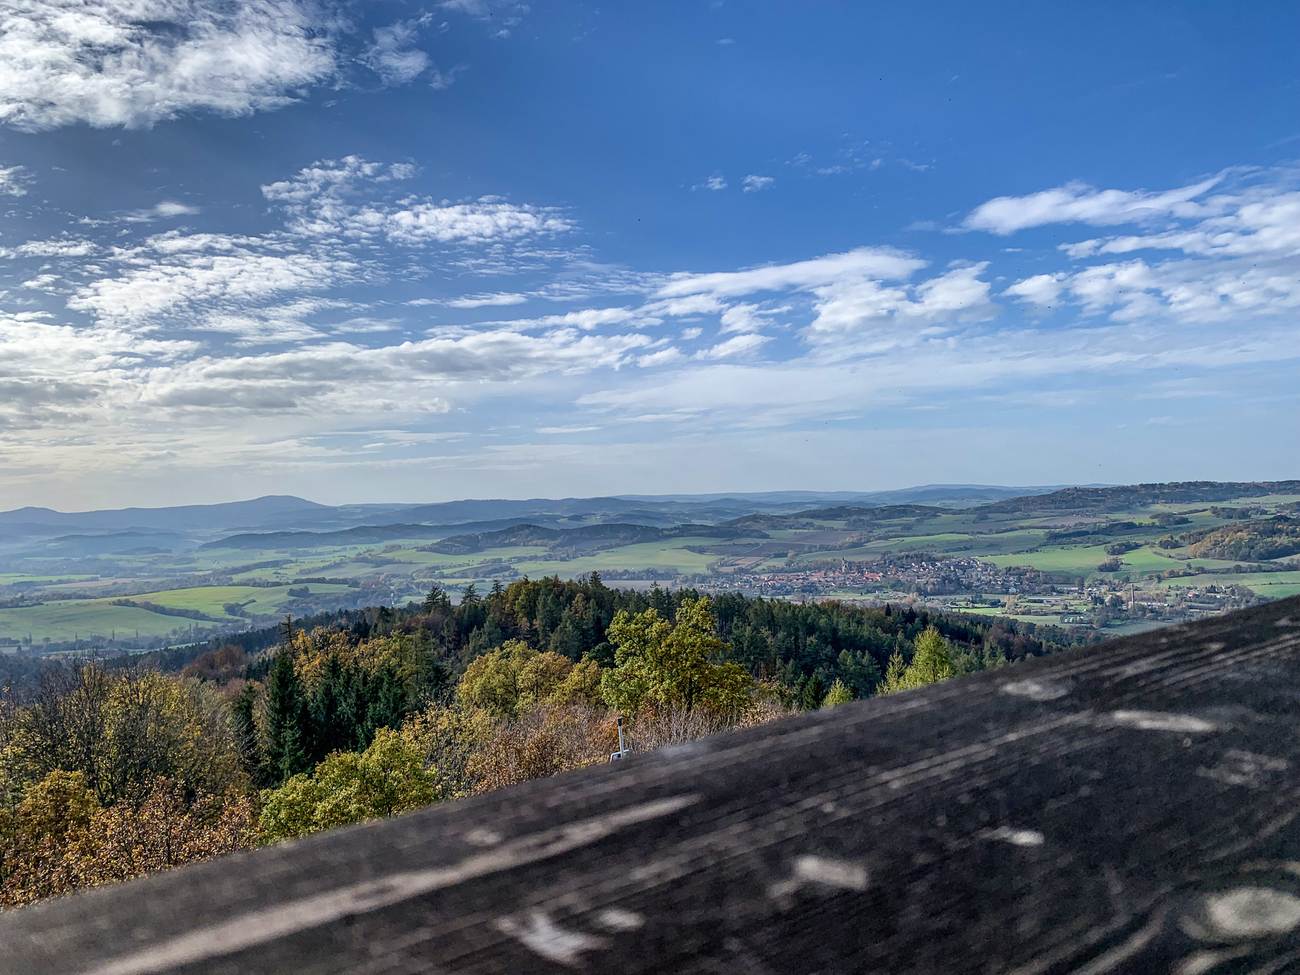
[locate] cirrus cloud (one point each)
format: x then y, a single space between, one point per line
134 63
1081 203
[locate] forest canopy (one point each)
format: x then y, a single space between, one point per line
110 771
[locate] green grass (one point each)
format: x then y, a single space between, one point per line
15 578
1081 561
1148 561
210 600
1274 585
69 619
643 555
66 619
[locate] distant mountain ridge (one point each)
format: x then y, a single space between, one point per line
1160 492
274 510
292 522
590 536
264 510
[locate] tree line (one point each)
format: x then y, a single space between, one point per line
108 772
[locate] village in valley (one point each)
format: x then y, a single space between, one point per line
970 585
1100 560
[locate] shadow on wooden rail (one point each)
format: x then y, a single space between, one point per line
1129 807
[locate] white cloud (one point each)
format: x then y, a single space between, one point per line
344 376
13 180
477 221
753 184
393 54
173 271
506 13
1040 289
42 282
244 343
167 209
332 178
171 208
854 307
55 247
877 262
1188 291
716 183
701 304
263 328
1080 203
440 80
862 289
663 357
1263 222
744 318
137 62
781 392
737 345
50 373
1240 258
321 201
500 299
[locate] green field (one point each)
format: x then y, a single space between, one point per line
211 600
644 555
1274 585
1081 561
72 619
68 619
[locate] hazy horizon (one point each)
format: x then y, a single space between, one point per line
545 497
413 251
737 493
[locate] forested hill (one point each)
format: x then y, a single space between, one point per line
1137 495
802 647
373 712
855 516
587 536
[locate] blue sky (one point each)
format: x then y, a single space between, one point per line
405 251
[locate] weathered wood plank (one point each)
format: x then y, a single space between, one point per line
1128 808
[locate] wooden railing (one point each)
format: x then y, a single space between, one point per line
1130 807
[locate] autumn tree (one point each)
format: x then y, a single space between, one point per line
546 741
387 778
123 730
672 665
60 839
514 678
447 738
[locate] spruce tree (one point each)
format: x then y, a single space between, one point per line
436 600
331 723
245 726
286 719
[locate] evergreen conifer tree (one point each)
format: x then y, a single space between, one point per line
837 695
286 719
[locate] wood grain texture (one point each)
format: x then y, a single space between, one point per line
1131 807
